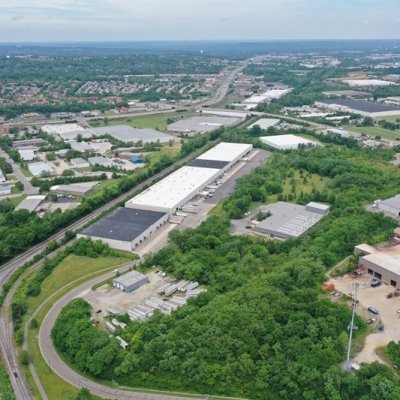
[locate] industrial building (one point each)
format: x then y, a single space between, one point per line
265 97
287 142
390 206
289 220
103 161
383 264
349 94
201 124
83 147
130 281
125 228
74 189
368 82
5 189
40 168
365 108
31 203
27 154
174 191
79 162
67 131
265 123
126 133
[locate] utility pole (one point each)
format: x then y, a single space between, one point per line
351 326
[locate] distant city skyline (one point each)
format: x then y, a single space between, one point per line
142 20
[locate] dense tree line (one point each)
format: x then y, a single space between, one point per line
21 229
264 329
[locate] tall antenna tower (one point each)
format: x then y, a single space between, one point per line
351 326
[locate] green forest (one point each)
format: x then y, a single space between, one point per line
264 329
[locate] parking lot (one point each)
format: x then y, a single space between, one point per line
388 316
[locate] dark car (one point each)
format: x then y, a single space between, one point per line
376 282
373 310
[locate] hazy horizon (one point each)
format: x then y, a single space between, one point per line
31 21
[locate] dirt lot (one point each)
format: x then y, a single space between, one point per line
107 296
388 316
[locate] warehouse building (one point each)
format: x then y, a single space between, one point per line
201 124
287 142
390 206
365 108
31 203
178 188
79 162
125 228
265 123
67 131
74 189
27 154
126 134
349 94
40 168
290 221
130 281
383 264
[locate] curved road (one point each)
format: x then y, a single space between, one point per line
65 372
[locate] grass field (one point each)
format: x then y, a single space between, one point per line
166 149
154 121
375 131
17 200
69 270
26 172
6 391
389 118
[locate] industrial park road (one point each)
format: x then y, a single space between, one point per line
66 373
28 188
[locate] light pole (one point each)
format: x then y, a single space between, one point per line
351 326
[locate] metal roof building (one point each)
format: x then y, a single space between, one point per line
391 206
289 220
383 264
265 123
4 189
201 124
40 168
126 133
366 108
31 203
172 192
287 142
125 228
75 189
130 281
27 154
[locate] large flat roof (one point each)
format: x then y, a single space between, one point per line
286 142
208 163
288 220
170 191
30 203
60 129
265 123
393 202
130 278
123 224
388 259
202 123
226 151
358 105
126 133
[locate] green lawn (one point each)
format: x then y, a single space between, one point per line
389 118
376 131
154 121
17 200
26 172
71 269
6 391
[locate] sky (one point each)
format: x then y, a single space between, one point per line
141 20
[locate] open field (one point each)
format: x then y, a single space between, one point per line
376 131
69 270
389 118
154 121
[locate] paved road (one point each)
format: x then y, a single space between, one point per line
7 349
65 372
28 188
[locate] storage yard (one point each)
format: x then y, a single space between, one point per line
149 293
